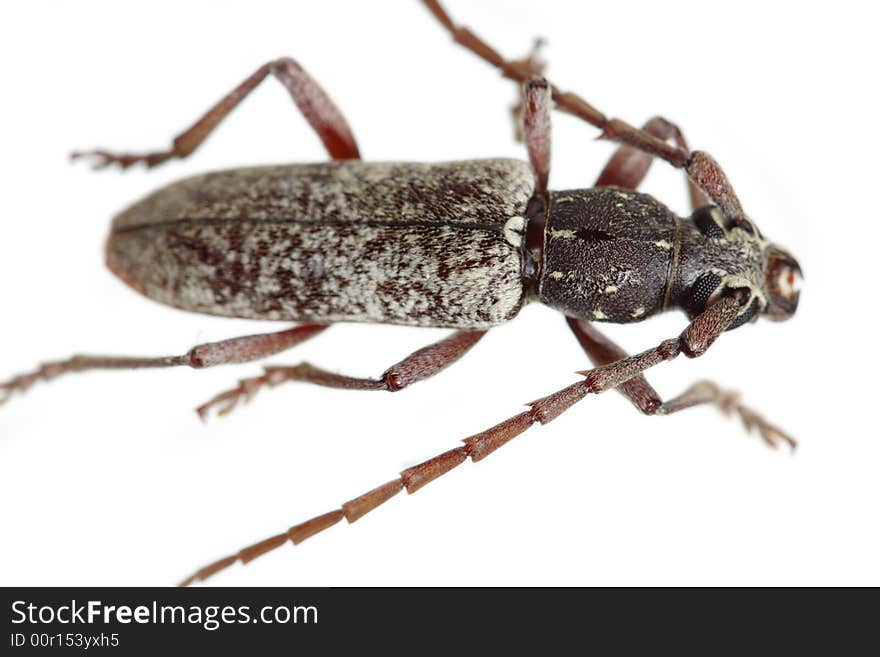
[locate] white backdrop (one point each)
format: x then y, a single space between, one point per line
110 478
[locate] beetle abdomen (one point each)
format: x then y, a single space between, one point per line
418 244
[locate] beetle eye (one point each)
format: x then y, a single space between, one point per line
710 221
701 291
750 313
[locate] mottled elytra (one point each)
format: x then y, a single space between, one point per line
462 245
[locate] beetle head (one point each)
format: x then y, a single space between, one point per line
722 257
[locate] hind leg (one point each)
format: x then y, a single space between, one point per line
602 351
333 130
314 103
225 352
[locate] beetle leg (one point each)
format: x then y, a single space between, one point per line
535 66
727 401
319 110
700 166
602 351
234 350
419 365
693 341
536 121
628 166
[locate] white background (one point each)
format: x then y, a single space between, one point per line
110 478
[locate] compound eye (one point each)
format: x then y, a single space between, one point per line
710 221
701 291
749 314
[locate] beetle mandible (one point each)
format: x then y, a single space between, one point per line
462 245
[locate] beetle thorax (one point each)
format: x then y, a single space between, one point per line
608 254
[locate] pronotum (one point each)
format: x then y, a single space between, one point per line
461 245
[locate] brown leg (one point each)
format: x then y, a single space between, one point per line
603 351
694 341
309 97
234 350
727 401
628 166
536 96
700 166
535 67
419 365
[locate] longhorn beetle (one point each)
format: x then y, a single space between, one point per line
461 245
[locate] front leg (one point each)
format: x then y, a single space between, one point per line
702 169
627 168
727 401
602 351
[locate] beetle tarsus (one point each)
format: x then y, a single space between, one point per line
17 384
244 392
49 371
727 401
101 159
234 350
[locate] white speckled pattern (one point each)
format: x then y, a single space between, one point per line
404 243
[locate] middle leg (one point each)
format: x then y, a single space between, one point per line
603 351
419 365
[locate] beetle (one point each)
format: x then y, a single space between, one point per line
459 245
